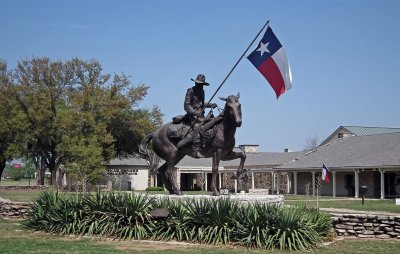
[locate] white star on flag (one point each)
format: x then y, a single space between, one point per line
263 48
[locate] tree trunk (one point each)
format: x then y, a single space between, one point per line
60 177
2 166
53 176
40 168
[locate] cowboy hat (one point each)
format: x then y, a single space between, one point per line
201 79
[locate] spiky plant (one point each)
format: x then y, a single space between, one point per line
251 227
57 213
121 215
175 225
290 230
212 220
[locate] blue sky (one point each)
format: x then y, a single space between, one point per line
343 55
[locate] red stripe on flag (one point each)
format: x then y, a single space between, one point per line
271 72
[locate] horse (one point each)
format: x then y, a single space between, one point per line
220 147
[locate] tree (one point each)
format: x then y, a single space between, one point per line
311 143
10 118
77 116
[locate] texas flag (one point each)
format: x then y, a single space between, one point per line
325 175
270 60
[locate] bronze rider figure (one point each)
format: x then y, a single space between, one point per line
194 106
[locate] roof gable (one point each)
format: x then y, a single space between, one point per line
360 131
372 151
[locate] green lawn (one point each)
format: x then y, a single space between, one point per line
22 182
16 239
373 205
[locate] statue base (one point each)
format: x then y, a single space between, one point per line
241 198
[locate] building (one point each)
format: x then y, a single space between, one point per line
195 174
348 131
357 156
354 161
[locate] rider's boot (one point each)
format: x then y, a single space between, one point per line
185 141
211 123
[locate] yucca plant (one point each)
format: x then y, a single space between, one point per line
57 213
121 215
174 227
289 230
251 227
321 221
211 220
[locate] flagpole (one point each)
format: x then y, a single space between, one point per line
230 72
241 57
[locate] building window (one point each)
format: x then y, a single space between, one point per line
340 135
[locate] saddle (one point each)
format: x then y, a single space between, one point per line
181 126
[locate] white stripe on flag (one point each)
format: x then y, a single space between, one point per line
283 65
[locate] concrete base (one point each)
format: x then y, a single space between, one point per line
241 198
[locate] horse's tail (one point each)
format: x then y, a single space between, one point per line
149 155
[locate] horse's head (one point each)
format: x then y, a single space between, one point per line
233 109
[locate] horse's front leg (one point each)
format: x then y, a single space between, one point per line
235 155
215 165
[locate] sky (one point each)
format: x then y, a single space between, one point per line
343 56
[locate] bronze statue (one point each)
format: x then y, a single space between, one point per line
194 107
219 141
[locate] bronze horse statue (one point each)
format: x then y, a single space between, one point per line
220 147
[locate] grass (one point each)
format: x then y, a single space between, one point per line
22 182
371 205
20 196
15 239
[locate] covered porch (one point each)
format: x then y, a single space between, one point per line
380 182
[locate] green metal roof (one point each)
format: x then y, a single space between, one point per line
365 131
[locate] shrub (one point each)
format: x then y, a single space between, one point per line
211 221
174 227
121 215
252 226
154 189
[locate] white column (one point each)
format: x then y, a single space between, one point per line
252 180
236 186
178 178
272 182
356 183
295 183
278 183
313 182
382 183
205 181
219 180
334 184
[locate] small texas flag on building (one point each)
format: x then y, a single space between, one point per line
325 175
270 60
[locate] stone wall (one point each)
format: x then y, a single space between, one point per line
367 225
12 209
24 187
